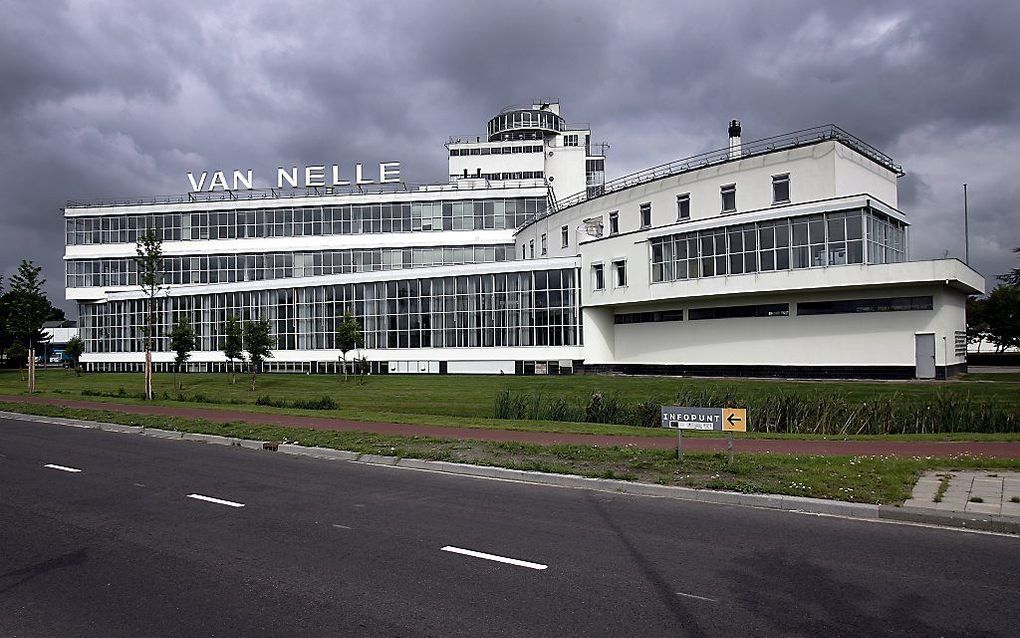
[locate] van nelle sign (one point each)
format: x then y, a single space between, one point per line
295 177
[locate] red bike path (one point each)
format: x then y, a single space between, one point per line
996 449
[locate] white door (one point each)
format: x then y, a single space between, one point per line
924 353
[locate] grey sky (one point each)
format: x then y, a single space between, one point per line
106 99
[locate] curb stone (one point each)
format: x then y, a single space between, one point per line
966 520
986 522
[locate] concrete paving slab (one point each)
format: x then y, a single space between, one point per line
983 508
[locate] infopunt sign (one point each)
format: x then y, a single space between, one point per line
295 177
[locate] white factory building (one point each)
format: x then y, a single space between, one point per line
785 256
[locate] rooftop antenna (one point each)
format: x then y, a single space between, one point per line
966 229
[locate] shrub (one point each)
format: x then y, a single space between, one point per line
322 403
784 412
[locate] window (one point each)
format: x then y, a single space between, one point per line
781 189
887 304
564 236
646 215
531 246
545 245
736 312
598 280
683 206
620 272
729 198
614 222
570 140
649 317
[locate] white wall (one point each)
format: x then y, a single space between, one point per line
822 171
857 174
566 165
860 339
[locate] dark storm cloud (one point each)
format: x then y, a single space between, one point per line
120 99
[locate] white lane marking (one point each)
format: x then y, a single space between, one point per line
711 600
341 526
62 468
498 559
218 501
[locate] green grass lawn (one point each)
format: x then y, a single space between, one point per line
867 479
468 401
473 396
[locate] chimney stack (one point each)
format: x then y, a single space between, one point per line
734 139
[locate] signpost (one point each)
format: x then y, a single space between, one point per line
728 420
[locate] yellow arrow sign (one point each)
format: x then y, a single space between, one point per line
734 420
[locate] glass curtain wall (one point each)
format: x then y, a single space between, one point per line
827 239
203 269
491 310
350 219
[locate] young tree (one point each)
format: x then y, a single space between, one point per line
74 349
259 343
233 344
27 310
361 367
182 342
149 262
348 337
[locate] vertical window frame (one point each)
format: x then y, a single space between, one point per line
777 180
683 207
724 190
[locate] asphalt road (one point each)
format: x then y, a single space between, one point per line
320 548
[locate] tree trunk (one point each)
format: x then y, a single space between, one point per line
31 370
253 379
148 374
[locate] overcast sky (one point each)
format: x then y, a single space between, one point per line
107 99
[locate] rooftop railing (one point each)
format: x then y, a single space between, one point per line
747 149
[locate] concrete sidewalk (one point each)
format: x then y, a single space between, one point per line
970 492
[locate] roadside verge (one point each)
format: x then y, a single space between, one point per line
1004 524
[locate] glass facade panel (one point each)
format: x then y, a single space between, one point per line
86 273
829 239
488 310
347 219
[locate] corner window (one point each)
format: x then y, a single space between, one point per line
545 245
683 206
598 277
646 215
729 198
564 236
781 189
614 222
620 272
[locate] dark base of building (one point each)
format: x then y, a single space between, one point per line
769 371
